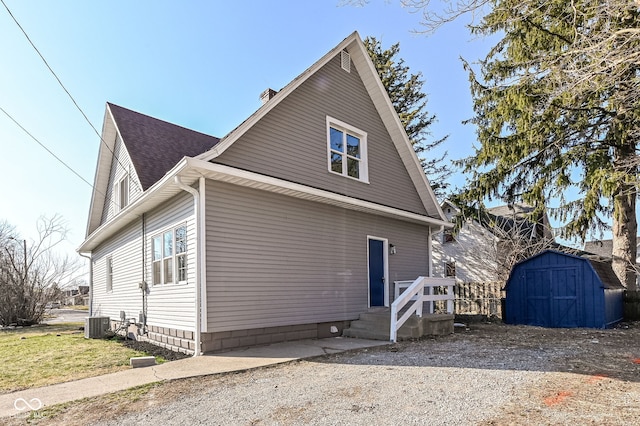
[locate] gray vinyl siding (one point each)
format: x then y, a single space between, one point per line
120 166
290 142
274 260
168 305
172 305
125 251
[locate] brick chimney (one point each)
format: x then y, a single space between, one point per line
267 95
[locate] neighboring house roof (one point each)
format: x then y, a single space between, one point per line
519 217
602 248
511 210
155 146
508 217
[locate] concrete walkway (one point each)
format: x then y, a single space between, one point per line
238 360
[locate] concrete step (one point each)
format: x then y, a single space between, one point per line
365 334
375 325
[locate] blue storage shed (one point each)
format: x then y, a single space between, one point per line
555 289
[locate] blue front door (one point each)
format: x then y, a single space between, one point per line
376 273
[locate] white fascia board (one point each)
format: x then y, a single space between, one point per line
394 126
106 157
190 169
124 146
103 169
381 100
162 190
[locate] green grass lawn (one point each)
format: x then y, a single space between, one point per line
40 356
77 307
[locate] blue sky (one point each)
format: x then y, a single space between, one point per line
199 64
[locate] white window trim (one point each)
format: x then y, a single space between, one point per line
124 179
123 182
174 256
109 274
364 164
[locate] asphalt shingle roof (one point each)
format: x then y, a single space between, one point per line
605 272
602 248
155 146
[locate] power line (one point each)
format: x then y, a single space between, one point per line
47 149
107 199
68 94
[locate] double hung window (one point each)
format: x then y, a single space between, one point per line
109 282
347 150
121 193
169 256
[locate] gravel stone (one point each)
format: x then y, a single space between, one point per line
486 374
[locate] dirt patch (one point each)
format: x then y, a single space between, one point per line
153 350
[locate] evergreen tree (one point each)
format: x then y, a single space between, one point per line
405 91
557 108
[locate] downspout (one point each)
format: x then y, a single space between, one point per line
143 283
196 209
90 283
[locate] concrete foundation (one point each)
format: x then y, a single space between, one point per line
184 340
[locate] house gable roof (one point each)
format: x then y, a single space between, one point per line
366 69
160 150
155 146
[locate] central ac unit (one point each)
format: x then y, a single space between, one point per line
96 327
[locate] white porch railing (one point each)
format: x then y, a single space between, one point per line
418 292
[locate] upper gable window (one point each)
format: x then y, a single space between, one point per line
347 150
122 192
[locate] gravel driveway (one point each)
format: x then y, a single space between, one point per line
490 375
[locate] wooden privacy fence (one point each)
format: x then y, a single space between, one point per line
476 299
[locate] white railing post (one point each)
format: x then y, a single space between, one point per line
416 292
452 294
